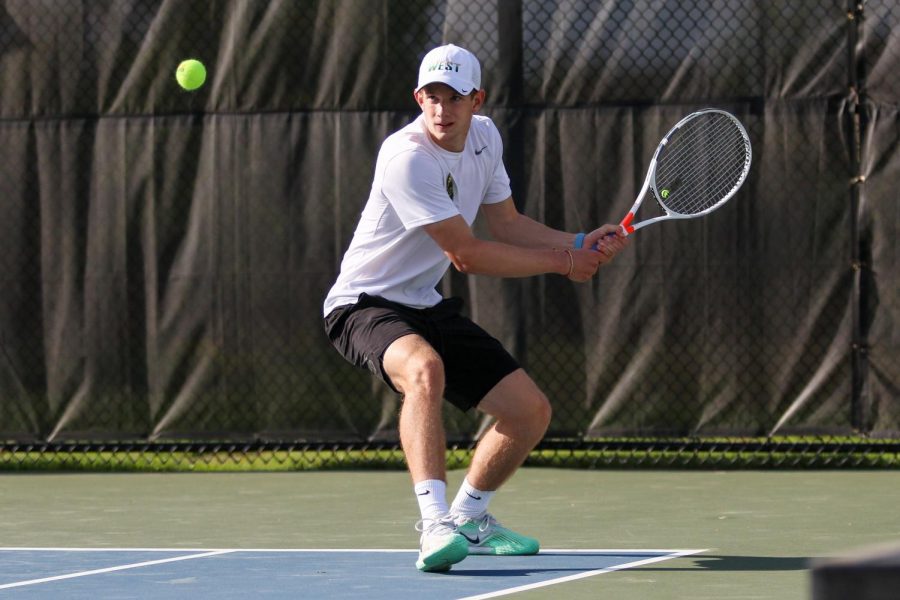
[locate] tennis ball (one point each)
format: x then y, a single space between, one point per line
190 74
664 194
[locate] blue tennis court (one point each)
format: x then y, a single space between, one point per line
74 573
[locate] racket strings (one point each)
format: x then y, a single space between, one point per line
716 130
707 191
689 163
702 173
714 156
704 167
702 164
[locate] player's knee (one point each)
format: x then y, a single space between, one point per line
536 412
543 412
424 371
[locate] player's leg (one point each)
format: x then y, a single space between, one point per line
522 414
417 372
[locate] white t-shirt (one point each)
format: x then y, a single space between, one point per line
390 254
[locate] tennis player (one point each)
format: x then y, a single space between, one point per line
383 313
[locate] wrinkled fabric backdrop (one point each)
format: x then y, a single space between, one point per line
164 254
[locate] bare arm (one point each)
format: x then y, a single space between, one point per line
523 247
508 225
483 257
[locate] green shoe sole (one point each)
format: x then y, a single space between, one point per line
505 550
440 560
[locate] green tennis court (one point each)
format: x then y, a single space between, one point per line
757 529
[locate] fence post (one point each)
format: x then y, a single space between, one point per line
859 255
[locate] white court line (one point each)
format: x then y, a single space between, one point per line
108 569
540 584
222 550
386 550
669 554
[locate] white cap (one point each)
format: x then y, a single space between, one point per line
452 65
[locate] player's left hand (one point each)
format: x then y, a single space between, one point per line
608 240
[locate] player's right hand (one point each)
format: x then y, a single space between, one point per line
586 263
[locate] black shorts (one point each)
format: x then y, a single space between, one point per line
474 362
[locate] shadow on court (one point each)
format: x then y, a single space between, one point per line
505 572
713 562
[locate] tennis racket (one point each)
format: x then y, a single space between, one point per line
697 167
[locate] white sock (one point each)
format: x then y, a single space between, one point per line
432 497
470 501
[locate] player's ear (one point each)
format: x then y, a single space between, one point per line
478 98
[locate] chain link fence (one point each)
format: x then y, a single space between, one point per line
164 254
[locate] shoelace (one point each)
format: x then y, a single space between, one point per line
487 522
431 525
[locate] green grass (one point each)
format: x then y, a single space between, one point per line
200 461
715 453
719 459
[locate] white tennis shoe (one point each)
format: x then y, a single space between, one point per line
440 545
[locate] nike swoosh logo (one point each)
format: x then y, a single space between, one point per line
475 540
425 493
473 497
478 152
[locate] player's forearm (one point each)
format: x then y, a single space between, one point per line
525 232
498 259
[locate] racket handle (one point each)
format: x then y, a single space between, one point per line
596 245
625 225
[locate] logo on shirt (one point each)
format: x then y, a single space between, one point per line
477 152
451 186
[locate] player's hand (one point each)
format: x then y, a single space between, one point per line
584 264
607 240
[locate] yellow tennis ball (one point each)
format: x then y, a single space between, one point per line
190 74
664 194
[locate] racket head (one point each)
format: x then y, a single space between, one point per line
700 164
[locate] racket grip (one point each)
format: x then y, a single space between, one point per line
625 225
596 245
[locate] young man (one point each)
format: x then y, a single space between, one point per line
431 179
